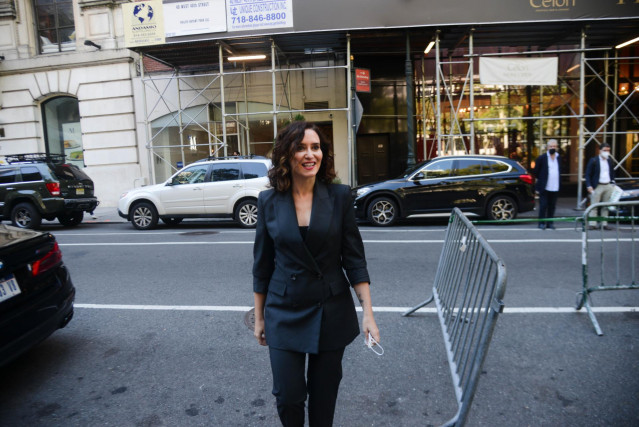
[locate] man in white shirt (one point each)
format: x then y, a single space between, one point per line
547 172
600 179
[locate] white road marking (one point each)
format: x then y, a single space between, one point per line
250 242
243 308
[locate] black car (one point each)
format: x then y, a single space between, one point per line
489 186
37 185
36 292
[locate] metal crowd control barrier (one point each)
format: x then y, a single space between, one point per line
469 287
618 246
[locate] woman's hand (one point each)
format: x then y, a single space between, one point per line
362 290
259 332
369 326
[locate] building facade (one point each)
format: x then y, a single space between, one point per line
66 87
359 69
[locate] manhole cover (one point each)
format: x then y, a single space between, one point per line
249 319
199 233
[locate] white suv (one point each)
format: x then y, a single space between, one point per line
218 188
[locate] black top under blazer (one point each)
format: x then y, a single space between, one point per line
308 305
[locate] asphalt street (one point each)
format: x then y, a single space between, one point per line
158 337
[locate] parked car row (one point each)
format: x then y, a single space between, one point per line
37 186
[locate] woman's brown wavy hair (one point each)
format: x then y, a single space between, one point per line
284 149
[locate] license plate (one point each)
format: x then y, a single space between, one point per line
9 288
79 191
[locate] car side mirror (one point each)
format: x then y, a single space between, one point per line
419 176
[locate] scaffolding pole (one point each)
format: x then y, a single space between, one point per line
582 120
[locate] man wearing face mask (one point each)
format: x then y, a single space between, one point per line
600 179
547 172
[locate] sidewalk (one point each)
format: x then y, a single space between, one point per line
565 208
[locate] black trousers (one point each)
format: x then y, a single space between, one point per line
291 386
547 204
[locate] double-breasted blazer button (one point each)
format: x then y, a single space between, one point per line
293 277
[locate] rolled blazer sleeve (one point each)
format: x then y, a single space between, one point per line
353 256
263 251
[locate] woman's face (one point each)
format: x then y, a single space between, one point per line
307 157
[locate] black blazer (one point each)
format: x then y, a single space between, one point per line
593 170
308 307
541 172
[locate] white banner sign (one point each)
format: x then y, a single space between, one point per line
246 15
518 71
194 17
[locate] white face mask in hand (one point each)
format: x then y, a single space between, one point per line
374 345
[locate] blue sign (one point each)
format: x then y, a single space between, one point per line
179 165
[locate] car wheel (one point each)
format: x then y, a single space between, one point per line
501 208
72 219
144 216
25 215
383 212
246 213
171 221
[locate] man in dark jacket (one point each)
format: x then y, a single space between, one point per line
547 172
600 179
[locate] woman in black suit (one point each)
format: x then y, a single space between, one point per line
307 254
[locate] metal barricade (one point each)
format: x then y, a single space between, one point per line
469 287
615 259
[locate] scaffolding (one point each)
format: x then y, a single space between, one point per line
456 94
202 100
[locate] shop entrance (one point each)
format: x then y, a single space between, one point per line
372 158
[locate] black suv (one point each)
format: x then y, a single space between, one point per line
489 186
36 186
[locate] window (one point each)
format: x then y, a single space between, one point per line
7 176
62 129
225 172
466 167
192 175
494 167
438 169
56 29
253 170
30 173
69 173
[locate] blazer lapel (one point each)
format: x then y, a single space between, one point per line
321 217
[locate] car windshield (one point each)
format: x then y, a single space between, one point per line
69 173
411 170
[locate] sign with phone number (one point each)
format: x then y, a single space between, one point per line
247 15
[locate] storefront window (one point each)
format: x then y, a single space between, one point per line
56 28
62 129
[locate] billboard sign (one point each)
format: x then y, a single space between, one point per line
143 23
251 15
194 17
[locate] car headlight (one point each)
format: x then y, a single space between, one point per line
362 191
